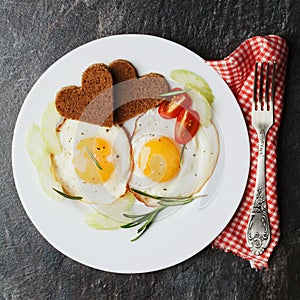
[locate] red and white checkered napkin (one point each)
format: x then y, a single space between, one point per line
238 71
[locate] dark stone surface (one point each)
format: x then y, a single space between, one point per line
33 35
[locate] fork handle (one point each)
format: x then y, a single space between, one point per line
258 229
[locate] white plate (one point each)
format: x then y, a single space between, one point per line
171 240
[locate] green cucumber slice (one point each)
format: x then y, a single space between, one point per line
50 119
99 221
194 81
203 108
36 146
38 152
111 216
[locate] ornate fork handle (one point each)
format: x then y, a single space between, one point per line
258 230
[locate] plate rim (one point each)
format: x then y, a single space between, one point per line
27 210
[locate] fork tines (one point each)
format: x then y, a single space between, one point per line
263 81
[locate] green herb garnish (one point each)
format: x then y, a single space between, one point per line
181 153
176 203
93 158
172 198
174 93
148 218
66 195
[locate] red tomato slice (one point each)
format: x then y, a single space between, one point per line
187 125
171 107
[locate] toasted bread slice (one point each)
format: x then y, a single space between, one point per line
122 70
92 102
134 95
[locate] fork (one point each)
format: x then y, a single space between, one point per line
258 229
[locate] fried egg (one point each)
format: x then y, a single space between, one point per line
94 162
162 167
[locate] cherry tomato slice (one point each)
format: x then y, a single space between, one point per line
187 125
171 107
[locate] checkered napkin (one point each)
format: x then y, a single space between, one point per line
238 71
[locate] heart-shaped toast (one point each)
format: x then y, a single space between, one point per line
93 101
134 95
111 94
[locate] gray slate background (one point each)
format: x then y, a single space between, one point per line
33 35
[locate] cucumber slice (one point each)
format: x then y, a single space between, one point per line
38 152
195 82
99 221
48 183
111 216
49 122
116 209
201 105
36 146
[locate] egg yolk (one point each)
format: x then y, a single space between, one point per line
159 159
86 167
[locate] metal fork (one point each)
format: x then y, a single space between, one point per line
258 229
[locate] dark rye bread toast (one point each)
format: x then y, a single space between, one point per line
92 102
134 95
122 70
96 101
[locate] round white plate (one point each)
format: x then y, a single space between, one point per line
170 240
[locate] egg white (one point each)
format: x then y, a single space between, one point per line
70 133
198 158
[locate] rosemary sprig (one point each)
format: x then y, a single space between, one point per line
181 153
148 218
175 203
78 198
139 218
93 158
172 198
174 93
66 195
